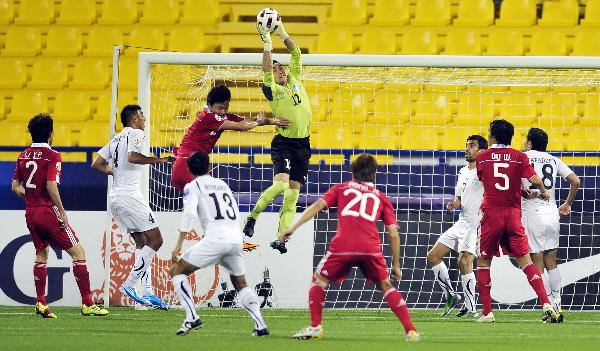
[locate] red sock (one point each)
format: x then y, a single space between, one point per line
484 283
82 277
396 302
537 283
316 300
40 276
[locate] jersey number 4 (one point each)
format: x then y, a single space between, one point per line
230 211
363 199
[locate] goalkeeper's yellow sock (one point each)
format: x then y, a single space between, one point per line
288 210
267 197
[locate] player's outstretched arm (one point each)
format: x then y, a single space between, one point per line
52 188
239 126
309 213
538 183
18 189
395 247
574 182
265 36
101 165
141 159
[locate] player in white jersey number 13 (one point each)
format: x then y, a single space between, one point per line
211 200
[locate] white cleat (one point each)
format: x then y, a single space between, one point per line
309 333
413 336
489 318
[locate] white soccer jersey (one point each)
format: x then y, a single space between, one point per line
470 190
126 175
211 200
547 167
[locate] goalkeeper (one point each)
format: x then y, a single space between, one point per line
290 148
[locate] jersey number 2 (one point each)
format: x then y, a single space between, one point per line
29 184
502 176
363 198
296 99
230 212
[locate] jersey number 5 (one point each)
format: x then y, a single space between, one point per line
363 199
502 176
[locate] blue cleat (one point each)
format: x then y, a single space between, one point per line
157 302
134 296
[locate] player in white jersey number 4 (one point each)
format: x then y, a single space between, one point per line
211 200
125 151
462 236
541 218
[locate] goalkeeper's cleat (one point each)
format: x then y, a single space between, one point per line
450 304
465 312
187 326
93 310
550 315
413 336
249 246
309 333
249 227
489 318
44 310
260 333
132 293
278 245
157 302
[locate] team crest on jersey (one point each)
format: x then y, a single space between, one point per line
138 143
296 87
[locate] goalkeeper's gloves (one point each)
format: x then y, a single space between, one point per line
265 36
281 32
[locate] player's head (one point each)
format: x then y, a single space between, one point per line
501 132
132 116
475 143
279 73
363 168
198 163
41 128
536 139
218 99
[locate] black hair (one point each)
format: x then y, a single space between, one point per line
364 167
127 113
218 94
275 61
481 142
502 130
40 127
198 163
538 138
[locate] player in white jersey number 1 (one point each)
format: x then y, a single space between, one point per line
125 151
462 236
211 200
541 218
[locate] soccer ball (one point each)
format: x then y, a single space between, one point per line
268 19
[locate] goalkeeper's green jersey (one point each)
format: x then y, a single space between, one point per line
290 100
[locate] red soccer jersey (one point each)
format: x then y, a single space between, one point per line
500 169
360 206
35 166
204 132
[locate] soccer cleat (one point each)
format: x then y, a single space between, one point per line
450 304
260 333
465 312
489 318
309 333
132 293
413 336
249 246
278 245
157 302
93 310
559 319
249 227
550 315
44 310
187 326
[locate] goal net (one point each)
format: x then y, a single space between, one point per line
415 120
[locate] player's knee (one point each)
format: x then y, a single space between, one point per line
175 269
42 255
385 285
77 252
319 280
432 258
465 263
239 282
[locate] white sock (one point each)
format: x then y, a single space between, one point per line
143 260
183 289
248 298
441 276
146 282
554 282
468 284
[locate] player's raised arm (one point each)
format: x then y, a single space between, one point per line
296 59
574 182
309 213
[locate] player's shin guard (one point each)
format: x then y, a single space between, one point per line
554 282
397 304
535 280
40 276
249 300
485 288
443 278
143 260
288 209
82 277
183 289
267 197
468 283
316 300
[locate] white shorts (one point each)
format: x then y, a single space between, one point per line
132 213
208 252
542 226
462 236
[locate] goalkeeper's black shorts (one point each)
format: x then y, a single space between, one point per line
291 156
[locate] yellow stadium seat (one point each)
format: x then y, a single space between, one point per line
431 109
587 43
475 13
101 40
72 106
2 106
7 11
378 42
336 136
592 14
77 12
201 12
519 109
35 12
22 42
348 108
62 135
421 138
103 105
561 13
556 139
348 13
432 13
391 13
15 134
463 43
332 41
128 73
90 74
505 43
145 39
164 12
187 40
26 104
517 13
390 108
591 106
583 139
48 74
561 106
419 42
118 12
63 41
13 74
377 137
94 134
475 109
548 44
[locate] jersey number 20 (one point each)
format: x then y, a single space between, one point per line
363 199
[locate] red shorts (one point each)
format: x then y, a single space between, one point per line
180 174
335 266
503 227
47 228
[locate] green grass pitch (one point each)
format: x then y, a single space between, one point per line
345 330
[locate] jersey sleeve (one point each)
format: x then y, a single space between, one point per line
234 118
387 215
458 190
190 204
478 167
296 64
54 168
136 142
331 196
17 175
105 152
562 169
527 170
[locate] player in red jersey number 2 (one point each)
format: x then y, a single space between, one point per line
356 244
500 169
